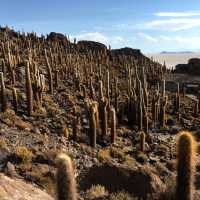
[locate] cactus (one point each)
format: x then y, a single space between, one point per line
93 126
162 112
142 141
113 125
104 118
66 184
4 100
92 92
186 150
15 99
29 91
49 70
108 88
177 101
116 95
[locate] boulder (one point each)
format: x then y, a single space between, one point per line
139 181
17 189
192 67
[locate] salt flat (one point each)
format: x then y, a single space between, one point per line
172 59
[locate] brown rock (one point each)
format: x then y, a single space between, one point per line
17 189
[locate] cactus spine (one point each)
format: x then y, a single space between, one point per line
186 150
66 184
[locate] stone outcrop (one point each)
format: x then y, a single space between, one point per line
17 189
192 67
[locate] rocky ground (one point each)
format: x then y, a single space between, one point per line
29 145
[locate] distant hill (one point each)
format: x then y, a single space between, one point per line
176 52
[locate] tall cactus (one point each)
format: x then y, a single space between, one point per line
29 91
163 112
66 184
113 125
186 150
4 99
15 99
50 76
142 141
93 125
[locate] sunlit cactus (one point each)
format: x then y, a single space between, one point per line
66 184
186 150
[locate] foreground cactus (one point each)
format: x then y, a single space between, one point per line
186 149
66 184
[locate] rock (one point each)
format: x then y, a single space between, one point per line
139 181
10 170
192 67
4 156
93 46
17 189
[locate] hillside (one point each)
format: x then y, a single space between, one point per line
109 110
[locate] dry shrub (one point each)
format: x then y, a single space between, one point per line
96 191
121 196
23 154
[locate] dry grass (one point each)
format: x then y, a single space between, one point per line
23 154
96 191
121 196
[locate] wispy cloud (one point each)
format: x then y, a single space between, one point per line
93 36
174 24
147 37
190 42
101 37
177 14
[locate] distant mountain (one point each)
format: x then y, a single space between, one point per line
176 52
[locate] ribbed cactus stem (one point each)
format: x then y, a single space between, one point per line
142 141
108 88
113 125
4 100
186 150
163 112
15 99
66 184
105 117
163 88
29 91
116 94
101 90
93 126
49 71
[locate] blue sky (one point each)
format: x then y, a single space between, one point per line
151 25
